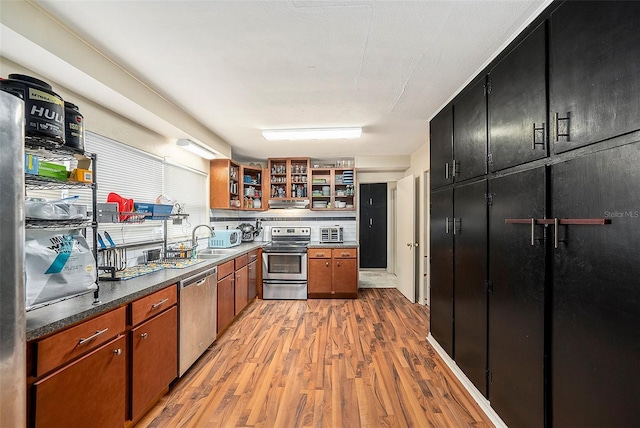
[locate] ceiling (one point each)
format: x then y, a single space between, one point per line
238 67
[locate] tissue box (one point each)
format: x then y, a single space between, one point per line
31 163
158 211
52 170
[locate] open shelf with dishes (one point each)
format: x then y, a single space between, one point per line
332 189
289 178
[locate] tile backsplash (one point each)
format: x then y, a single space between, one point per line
223 219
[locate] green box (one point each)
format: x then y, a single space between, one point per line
52 170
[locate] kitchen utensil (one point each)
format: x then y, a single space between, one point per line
106 235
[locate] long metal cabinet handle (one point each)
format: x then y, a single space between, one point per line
453 167
446 170
533 231
446 226
556 126
93 336
160 303
555 233
457 221
533 136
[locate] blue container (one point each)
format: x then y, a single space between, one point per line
158 211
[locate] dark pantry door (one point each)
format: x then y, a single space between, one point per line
373 225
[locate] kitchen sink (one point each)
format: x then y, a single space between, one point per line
214 253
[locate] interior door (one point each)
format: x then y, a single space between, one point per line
373 225
595 348
470 294
517 303
406 238
442 310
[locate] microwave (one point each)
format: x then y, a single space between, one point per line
331 234
225 238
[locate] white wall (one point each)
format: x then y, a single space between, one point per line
109 124
420 161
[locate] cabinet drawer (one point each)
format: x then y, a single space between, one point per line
68 344
225 269
345 253
88 392
242 261
153 304
253 256
319 253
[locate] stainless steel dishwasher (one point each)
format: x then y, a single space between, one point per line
198 315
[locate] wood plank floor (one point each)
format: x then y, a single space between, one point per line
321 363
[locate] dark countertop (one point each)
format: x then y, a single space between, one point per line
48 319
345 244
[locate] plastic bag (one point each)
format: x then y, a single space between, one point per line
58 264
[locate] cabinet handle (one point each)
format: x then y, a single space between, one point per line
117 351
320 255
555 233
160 303
345 254
446 170
446 225
533 230
144 335
93 336
338 263
556 126
533 136
371 222
199 283
326 263
454 167
457 221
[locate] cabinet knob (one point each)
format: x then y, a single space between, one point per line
144 335
326 263
117 351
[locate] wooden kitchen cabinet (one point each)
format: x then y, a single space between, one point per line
224 184
252 272
289 178
340 183
87 392
332 273
226 295
154 349
251 188
241 289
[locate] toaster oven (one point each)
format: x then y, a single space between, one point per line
331 234
225 238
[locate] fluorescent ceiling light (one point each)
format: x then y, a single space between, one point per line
195 148
312 134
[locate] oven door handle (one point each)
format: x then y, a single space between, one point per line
284 282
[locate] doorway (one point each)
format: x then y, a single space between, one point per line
373 225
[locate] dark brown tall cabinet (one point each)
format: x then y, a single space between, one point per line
534 272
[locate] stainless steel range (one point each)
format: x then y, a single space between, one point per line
284 264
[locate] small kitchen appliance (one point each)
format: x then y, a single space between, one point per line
225 238
331 234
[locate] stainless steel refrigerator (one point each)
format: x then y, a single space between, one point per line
12 282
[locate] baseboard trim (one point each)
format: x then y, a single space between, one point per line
468 385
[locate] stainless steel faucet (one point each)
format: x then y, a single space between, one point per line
194 241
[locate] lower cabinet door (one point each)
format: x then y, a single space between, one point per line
442 223
155 359
319 276
226 301
470 294
253 279
89 392
345 277
241 289
517 304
